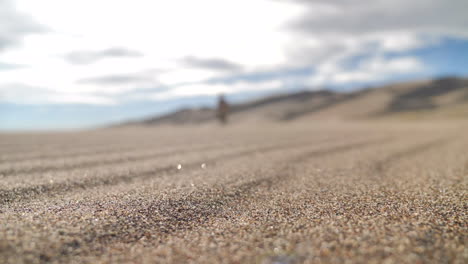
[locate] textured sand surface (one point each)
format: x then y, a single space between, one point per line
315 193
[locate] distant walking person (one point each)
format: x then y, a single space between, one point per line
222 110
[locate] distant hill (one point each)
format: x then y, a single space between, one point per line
441 98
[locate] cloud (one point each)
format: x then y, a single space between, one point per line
313 51
14 25
297 44
20 93
10 66
211 64
327 35
365 17
367 71
88 56
117 79
260 76
211 89
123 86
334 31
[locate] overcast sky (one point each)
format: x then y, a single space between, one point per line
66 64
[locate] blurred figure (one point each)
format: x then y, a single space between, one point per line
222 110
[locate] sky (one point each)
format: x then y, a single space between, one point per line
77 64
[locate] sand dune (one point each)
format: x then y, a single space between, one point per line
445 98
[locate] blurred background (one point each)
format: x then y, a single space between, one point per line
83 64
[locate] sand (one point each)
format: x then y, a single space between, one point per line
296 193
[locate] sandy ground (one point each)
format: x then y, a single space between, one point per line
301 193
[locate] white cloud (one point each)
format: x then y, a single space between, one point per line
173 29
24 94
363 17
117 47
200 89
88 57
374 69
14 25
400 41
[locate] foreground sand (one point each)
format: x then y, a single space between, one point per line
302 193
